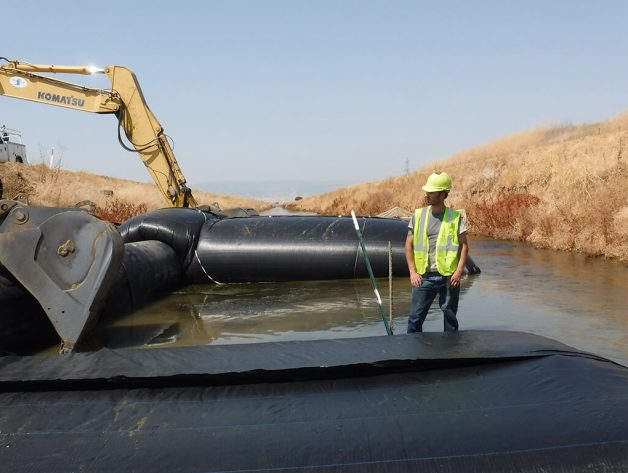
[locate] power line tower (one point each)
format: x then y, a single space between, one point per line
407 168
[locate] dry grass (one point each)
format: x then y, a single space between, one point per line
114 199
117 211
558 187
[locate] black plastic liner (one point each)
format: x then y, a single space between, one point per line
463 402
150 270
257 249
178 228
24 327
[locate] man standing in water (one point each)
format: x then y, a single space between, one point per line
436 252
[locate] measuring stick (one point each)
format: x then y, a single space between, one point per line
370 270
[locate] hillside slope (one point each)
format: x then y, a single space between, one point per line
559 187
41 185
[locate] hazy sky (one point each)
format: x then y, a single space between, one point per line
320 90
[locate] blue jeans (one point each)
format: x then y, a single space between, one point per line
423 296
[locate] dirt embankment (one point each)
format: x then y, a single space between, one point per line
564 188
117 199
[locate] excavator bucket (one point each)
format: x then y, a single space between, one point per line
66 258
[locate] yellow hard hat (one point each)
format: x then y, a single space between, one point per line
438 181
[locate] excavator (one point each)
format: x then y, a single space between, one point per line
66 258
125 100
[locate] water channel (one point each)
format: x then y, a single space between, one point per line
577 300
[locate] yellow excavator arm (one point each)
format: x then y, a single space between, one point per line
125 100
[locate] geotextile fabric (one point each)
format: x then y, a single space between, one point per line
468 401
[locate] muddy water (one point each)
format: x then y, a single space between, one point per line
576 300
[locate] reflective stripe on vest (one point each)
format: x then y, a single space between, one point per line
447 244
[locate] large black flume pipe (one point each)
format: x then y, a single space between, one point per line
213 248
295 248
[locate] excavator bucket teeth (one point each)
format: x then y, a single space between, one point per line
66 258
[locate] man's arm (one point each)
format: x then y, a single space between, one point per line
464 251
415 278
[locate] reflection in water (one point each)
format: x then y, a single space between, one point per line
241 313
571 298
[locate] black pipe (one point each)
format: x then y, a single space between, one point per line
294 248
150 270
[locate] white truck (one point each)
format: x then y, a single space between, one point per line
11 147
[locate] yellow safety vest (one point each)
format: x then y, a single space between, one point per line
447 244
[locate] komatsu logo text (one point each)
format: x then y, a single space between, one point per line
61 99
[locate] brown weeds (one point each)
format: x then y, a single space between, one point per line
507 217
117 211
